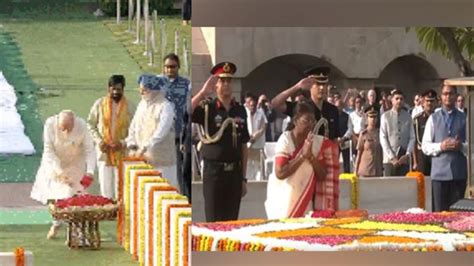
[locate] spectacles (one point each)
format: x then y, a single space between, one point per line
171 66
447 93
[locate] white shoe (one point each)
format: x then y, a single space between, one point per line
53 231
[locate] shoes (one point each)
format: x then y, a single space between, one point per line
53 231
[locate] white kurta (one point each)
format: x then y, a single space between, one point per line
152 129
69 154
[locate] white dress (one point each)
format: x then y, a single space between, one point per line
71 154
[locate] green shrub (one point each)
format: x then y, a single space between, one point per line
163 7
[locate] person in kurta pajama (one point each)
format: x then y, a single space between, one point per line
108 123
68 156
151 132
306 169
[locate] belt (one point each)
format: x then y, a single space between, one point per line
228 166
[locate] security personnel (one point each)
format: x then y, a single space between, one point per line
421 162
223 144
317 82
397 137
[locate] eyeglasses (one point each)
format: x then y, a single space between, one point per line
447 93
171 66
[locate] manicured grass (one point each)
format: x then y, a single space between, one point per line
172 24
56 253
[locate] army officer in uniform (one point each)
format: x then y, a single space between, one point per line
222 122
317 82
421 162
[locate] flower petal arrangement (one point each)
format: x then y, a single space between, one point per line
413 230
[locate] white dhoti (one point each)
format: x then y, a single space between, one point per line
108 180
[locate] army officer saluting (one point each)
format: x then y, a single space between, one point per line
223 144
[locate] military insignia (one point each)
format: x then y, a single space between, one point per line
218 119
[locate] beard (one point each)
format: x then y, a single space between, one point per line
116 97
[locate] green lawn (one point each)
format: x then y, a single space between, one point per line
56 253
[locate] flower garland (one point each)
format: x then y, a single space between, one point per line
322 231
120 214
151 223
163 223
390 239
177 236
173 235
186 251
19 256
126 200
354 179
372 225
420 182
146 177
151 176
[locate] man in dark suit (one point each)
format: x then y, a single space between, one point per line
316 81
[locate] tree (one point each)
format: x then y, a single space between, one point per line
456 44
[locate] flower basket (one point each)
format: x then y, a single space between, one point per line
83 219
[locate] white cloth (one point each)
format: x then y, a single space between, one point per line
279 191
431 148
108 180
12 136
70 154
355 124
418 109
255 123
285 123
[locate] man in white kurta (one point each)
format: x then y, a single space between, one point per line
151 132
68 156
108 122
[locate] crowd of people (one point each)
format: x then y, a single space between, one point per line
375 134
157 130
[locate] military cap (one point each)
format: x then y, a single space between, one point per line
320 73
224 70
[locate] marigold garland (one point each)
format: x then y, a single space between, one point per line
139 229
186 252
126 199
175 234
151 224
390 239
354 179
323 231
420 185
120 213
19 256
372 225
163 222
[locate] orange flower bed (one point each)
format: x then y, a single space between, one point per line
420 181
346 220
20 256
324 231
390 239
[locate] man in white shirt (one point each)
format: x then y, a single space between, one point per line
397 137
356 123
151 134
445 140
418 106
256 124
68 157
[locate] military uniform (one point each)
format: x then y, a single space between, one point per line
423 161
327 111
221 150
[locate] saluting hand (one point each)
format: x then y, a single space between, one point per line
210 85
306 83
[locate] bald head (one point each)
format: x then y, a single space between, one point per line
371 96
66 120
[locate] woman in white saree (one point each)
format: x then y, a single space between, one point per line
306 169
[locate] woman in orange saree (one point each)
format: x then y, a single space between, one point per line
306 169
